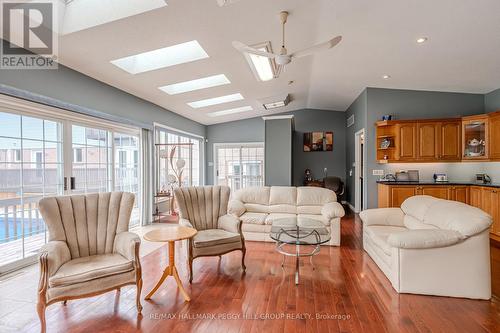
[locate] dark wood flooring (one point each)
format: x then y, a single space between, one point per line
347 290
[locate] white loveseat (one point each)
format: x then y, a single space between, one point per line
258 207
431 246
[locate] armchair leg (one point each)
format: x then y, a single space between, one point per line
40 308
138 296
138 279
65 302
243 253
190 264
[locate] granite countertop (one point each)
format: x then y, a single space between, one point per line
432 182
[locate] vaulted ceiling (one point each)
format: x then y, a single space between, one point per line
462 53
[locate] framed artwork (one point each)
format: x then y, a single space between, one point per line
318 141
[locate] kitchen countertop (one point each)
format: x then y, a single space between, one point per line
431 182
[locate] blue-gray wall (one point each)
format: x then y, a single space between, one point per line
278 152
307 120
358 109
492 101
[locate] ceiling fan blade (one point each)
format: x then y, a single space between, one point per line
317 48
245 48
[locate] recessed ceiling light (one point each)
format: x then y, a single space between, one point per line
263 68
215 101
206 82
160 58
386 77
421 40
230 111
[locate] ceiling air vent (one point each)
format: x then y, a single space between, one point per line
350 121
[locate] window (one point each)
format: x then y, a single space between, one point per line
239 165
78 155
35 161
189 151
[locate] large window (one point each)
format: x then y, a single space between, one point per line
239 165
189 151
42 154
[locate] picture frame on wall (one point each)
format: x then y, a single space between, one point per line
318 141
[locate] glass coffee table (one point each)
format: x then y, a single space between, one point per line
299 232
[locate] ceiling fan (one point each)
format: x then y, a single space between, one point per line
283 58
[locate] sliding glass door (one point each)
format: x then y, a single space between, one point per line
31 167
42 156
239 165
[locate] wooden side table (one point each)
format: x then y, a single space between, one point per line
170 235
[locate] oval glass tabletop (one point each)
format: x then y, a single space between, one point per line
301 231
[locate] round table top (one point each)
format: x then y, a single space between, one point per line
170 234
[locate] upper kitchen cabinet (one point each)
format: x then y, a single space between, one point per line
494 130
450 148
406 142
475 140
428 141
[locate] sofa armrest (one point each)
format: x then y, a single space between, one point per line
424 239
229 223
332 210
125 243
185 223
56 253
236 207
382 216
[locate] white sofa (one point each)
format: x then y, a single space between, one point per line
257 207
431 246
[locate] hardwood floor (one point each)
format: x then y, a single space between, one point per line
346 283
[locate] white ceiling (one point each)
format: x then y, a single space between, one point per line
461 55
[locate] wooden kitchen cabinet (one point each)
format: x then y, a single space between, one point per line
458 193
428 141
475 137
440 192
398 194
450 147
494 132
475 193
407 142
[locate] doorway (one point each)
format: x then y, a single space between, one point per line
359 170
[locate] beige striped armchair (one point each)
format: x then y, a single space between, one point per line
90 250
205 209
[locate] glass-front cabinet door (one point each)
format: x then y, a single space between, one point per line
475 137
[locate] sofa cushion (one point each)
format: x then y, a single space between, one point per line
90 268
417 206
256 208
320 218
379 235
253 195
457 216
413 224
213 237
264 228
283 195
253 218
275 216
424 239
313 209
309 195
283 208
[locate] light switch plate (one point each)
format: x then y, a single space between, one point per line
210 164
378 172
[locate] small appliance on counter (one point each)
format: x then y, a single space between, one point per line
440 178
483 178
407 176
388 178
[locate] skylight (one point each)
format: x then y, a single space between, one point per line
206 82
216 100
230 111
161 58
262 67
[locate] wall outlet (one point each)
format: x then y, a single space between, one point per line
378 172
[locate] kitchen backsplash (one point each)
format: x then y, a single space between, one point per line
460 171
